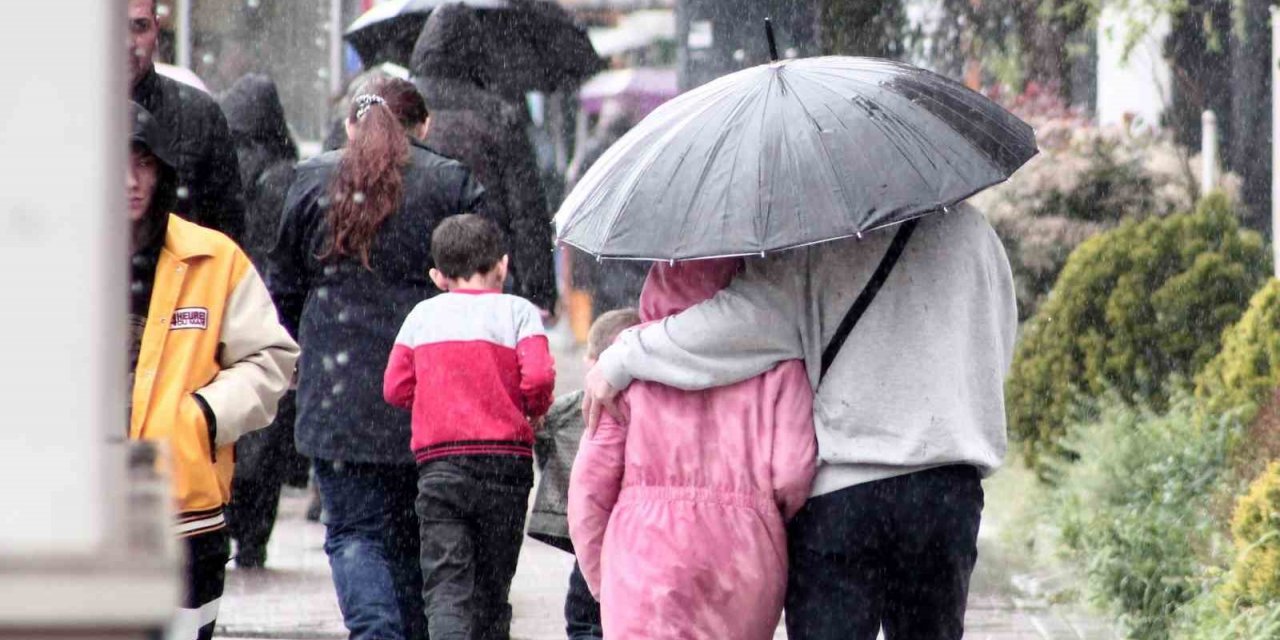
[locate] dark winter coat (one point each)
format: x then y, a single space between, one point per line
267 154
209 190
346 316
488 134
555 446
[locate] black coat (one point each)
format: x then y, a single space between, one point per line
209 191
487 133
346 317
266 154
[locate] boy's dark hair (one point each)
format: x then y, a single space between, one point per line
465 245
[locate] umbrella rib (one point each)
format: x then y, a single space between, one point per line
651 154
826 152
712 154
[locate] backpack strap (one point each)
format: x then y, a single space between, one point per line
863 301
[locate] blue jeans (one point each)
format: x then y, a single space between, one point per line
371 538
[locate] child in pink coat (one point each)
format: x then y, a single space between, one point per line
678 517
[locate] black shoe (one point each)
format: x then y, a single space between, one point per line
251 558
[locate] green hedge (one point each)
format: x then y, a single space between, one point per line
1247 371
1255 527
1136 310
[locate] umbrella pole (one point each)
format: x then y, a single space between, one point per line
773 44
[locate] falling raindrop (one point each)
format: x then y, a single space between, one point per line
183 192
358 197
343 358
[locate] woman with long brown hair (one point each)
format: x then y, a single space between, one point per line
350 262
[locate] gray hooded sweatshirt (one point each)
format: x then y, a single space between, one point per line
918 384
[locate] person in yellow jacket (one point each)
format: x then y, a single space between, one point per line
210 360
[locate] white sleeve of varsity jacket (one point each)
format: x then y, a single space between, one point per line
745 330
257 359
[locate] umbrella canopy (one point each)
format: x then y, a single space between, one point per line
788 154
386 32
640 89
533 45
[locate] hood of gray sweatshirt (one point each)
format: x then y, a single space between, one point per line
918 384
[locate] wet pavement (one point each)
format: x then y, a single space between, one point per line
293 598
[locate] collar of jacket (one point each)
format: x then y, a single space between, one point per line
147 88
183 244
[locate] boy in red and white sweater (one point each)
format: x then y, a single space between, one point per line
474 367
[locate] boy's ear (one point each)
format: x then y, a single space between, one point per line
503 265
441 282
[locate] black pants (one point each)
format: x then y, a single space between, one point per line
251 516
206 572
471 511
581 611
895 553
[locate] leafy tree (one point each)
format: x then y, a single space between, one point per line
1247 371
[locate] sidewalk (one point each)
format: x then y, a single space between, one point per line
294 599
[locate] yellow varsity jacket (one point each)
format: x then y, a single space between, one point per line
211 330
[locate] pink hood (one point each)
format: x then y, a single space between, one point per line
672 288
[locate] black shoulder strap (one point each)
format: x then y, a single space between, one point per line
868 294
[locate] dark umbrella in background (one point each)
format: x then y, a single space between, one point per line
515 46
386 32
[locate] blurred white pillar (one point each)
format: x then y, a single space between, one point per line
67 566
182 34
1275 140
336 50
1208 152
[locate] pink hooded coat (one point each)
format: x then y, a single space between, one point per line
677 519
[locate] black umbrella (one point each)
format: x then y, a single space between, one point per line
386 32
522 45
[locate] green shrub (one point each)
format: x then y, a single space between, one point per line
1255 528
1131 507
1247 370
1136 311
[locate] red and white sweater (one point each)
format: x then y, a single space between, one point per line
474 367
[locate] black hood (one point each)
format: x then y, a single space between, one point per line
451 46
449 61
149 134
254 113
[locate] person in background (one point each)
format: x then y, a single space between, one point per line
349 264
266 459
555 446
209 190
488 133
209 361
678 517
474 367
611 283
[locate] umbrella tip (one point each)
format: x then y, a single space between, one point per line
773 44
